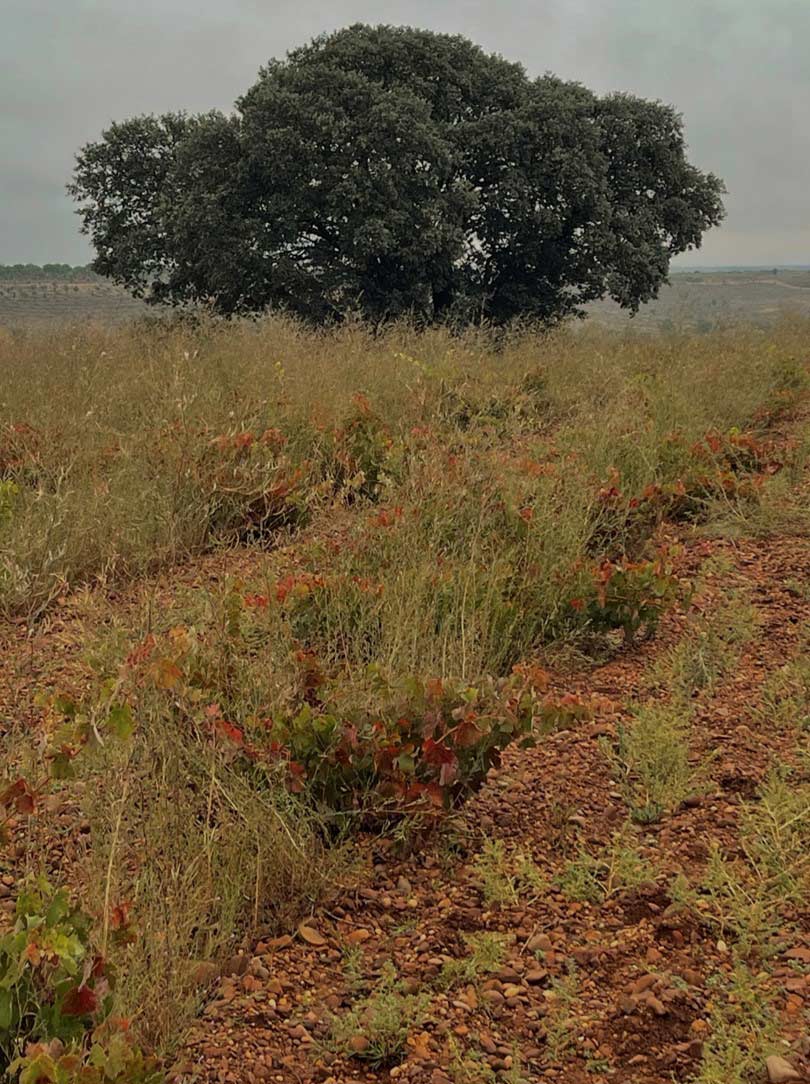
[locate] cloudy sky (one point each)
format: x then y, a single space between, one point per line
737 70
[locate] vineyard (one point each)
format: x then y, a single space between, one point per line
404 706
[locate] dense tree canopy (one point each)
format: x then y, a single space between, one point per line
394 172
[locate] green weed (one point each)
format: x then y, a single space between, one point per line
786 696
594 878
376 1028
651 761
559 1018
745 895
505 877
485 953
709 650
742 1030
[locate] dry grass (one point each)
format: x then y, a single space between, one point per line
108 433
439 526
201 858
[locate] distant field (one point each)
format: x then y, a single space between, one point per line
42 303
695 300
706 300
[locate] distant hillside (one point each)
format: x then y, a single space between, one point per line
702 300
744 269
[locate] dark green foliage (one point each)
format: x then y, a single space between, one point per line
397 172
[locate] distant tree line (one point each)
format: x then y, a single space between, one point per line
47 272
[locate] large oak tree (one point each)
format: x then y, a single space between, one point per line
397 172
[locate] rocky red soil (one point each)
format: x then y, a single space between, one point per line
617 991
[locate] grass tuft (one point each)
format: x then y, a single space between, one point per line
651 761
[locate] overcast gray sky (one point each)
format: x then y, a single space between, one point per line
737 69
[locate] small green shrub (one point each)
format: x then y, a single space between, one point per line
504 877
682 481
44 992
361 450
594 878
249 487
420 742
377 1027
331 615
110 1059
651 760
710 648
430 743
